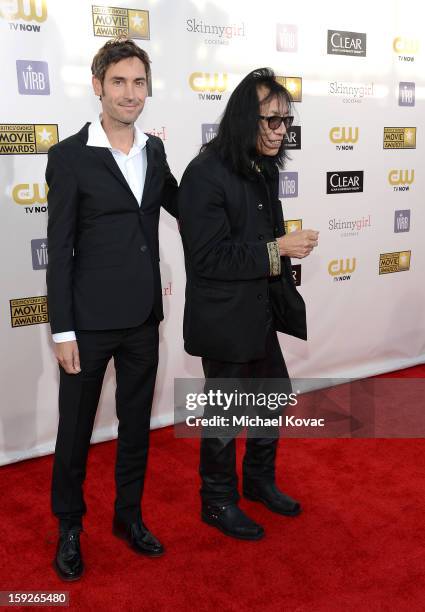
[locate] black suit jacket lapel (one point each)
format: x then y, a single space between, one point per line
149 169
111 164
107 158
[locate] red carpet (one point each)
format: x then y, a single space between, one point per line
359 544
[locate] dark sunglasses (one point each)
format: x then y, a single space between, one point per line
274 121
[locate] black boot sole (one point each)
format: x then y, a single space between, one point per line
213 523
122 536
256 498
63 576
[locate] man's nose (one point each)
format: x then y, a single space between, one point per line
281 130
129 91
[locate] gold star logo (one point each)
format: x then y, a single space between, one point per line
293 85
404 260
45 137
410 137
138 24
293 225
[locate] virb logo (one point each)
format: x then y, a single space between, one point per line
33 78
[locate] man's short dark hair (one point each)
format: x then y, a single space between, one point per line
236 140
115 50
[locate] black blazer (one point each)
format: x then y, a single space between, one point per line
103 252
226 222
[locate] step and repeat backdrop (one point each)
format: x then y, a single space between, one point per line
357 75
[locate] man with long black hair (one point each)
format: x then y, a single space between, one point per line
240 287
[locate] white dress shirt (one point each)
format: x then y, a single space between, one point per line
133 167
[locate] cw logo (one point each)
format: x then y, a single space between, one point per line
405 45
27 194
204 81
337 266
343 134
27 10
401 177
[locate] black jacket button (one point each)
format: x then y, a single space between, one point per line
260 296
260 206
260 236
143 248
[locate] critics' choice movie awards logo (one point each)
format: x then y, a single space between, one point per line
399 138
349 227
288 184
402 221
394 262
33 197
344 137
296 274
216 34
286 38
344 181
351 93
209 131
346 43
293 225
110 21
406 93
292 138
342 269
27 138
294 85
26 11
401 180
405 48
33 78
208 85
29 311
39 253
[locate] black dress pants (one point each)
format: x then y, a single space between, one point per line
219 481
135 353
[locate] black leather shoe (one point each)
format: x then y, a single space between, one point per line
138 537
272 498
68 562
232 521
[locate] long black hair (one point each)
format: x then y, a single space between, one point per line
236 140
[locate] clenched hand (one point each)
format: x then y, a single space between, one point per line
298 244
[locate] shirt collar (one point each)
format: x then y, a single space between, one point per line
98 138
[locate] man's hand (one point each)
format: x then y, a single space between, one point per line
68 356
298 244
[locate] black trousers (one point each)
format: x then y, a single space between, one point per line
219 480
135 353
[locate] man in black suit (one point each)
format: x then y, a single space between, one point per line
106 186
240 287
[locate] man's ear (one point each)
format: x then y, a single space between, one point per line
97 86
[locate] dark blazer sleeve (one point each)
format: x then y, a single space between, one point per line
62 200
169 201
207 235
